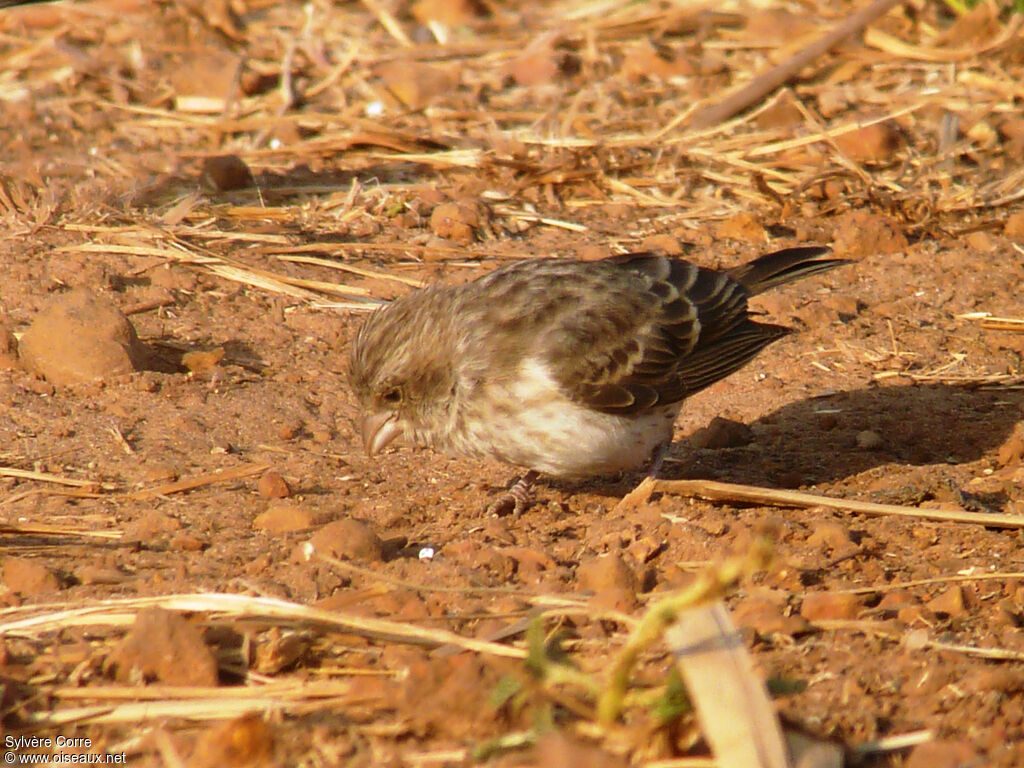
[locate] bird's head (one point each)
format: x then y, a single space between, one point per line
401 372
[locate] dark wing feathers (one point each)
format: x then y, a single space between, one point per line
709 364
689 329
783 267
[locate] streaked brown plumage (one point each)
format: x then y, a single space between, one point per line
564 367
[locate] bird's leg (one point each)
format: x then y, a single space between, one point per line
516 498
657 459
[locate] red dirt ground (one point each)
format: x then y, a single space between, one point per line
867 626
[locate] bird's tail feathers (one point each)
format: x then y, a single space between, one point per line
783 267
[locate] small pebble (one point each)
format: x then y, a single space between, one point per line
824 606
289 430
951 602
283 517
27 576
605 572
456 222
722 433
227 172
272 485
351 538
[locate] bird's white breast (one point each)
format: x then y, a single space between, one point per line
535 425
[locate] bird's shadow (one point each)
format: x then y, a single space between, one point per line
825 438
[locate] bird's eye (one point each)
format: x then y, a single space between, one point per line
393 396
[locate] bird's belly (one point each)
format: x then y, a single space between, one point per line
526 419
563 439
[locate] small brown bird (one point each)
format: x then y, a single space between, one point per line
566 368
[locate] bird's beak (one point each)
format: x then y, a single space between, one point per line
379 429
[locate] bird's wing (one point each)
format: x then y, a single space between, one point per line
660 331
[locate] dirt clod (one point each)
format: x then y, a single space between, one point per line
604 572
284 517
349 538
742 226
81 336
456 221
163 646
204 361
950 602
272 485
823 606
227 172
247 741
722 433
28 577
875 143
559 749
1012 450
663 243
1014 226
768 616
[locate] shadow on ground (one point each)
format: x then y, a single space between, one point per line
815 440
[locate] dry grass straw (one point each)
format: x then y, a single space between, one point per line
987 321
189 484
749 494
31 621
57 531
293 696
355 298
46 477
696 154
191 704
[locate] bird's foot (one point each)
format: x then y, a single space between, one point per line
516 499
657 459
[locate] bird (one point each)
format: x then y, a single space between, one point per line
566 368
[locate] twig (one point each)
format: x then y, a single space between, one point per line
991 323
879 629
351 268
45 477
121 440
750 494
41 529
388 21
196 482
146 306
122 612
895 585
